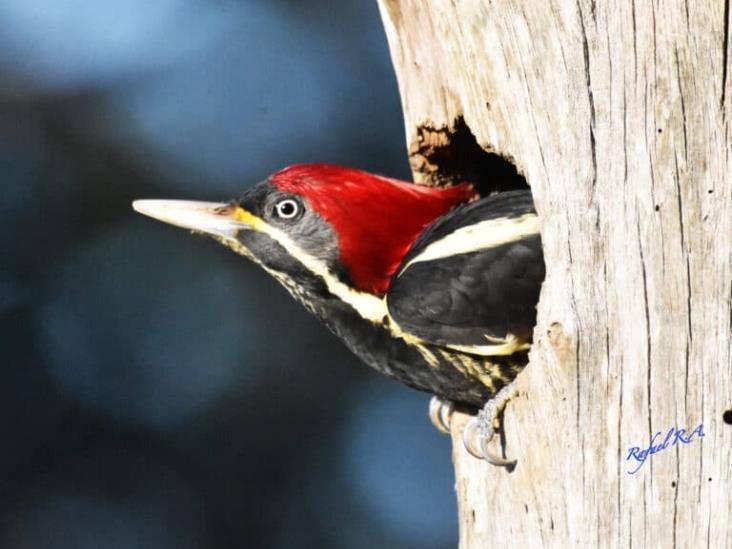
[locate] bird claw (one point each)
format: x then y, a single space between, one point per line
440 414
477 435
481 429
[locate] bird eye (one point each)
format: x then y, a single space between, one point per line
287 209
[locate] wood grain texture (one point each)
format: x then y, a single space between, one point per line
619 115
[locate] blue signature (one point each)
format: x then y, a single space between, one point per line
673 436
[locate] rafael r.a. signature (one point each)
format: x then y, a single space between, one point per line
673 436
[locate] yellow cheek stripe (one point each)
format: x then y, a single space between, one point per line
369 306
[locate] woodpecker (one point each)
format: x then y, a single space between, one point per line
435 287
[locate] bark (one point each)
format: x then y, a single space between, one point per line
618 115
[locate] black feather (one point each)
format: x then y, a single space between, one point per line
461 299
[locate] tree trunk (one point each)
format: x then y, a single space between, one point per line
618 116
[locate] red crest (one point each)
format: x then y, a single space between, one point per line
376 218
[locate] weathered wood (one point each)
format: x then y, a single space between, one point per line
618 113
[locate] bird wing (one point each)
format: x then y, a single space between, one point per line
471 280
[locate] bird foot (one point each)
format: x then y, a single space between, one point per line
481 429
440 414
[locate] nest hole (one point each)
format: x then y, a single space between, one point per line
447 156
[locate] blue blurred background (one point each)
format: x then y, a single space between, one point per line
158 391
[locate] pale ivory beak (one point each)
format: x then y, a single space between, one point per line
207 217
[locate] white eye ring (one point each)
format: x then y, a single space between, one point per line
287 209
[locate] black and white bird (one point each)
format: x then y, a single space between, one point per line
435 287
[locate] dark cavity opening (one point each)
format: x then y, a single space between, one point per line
446 156
727 417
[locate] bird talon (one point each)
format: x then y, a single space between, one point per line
482 428
440 414
477 436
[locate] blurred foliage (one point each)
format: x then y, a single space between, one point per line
155 392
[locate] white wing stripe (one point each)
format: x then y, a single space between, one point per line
482 235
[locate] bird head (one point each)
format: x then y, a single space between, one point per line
319 223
